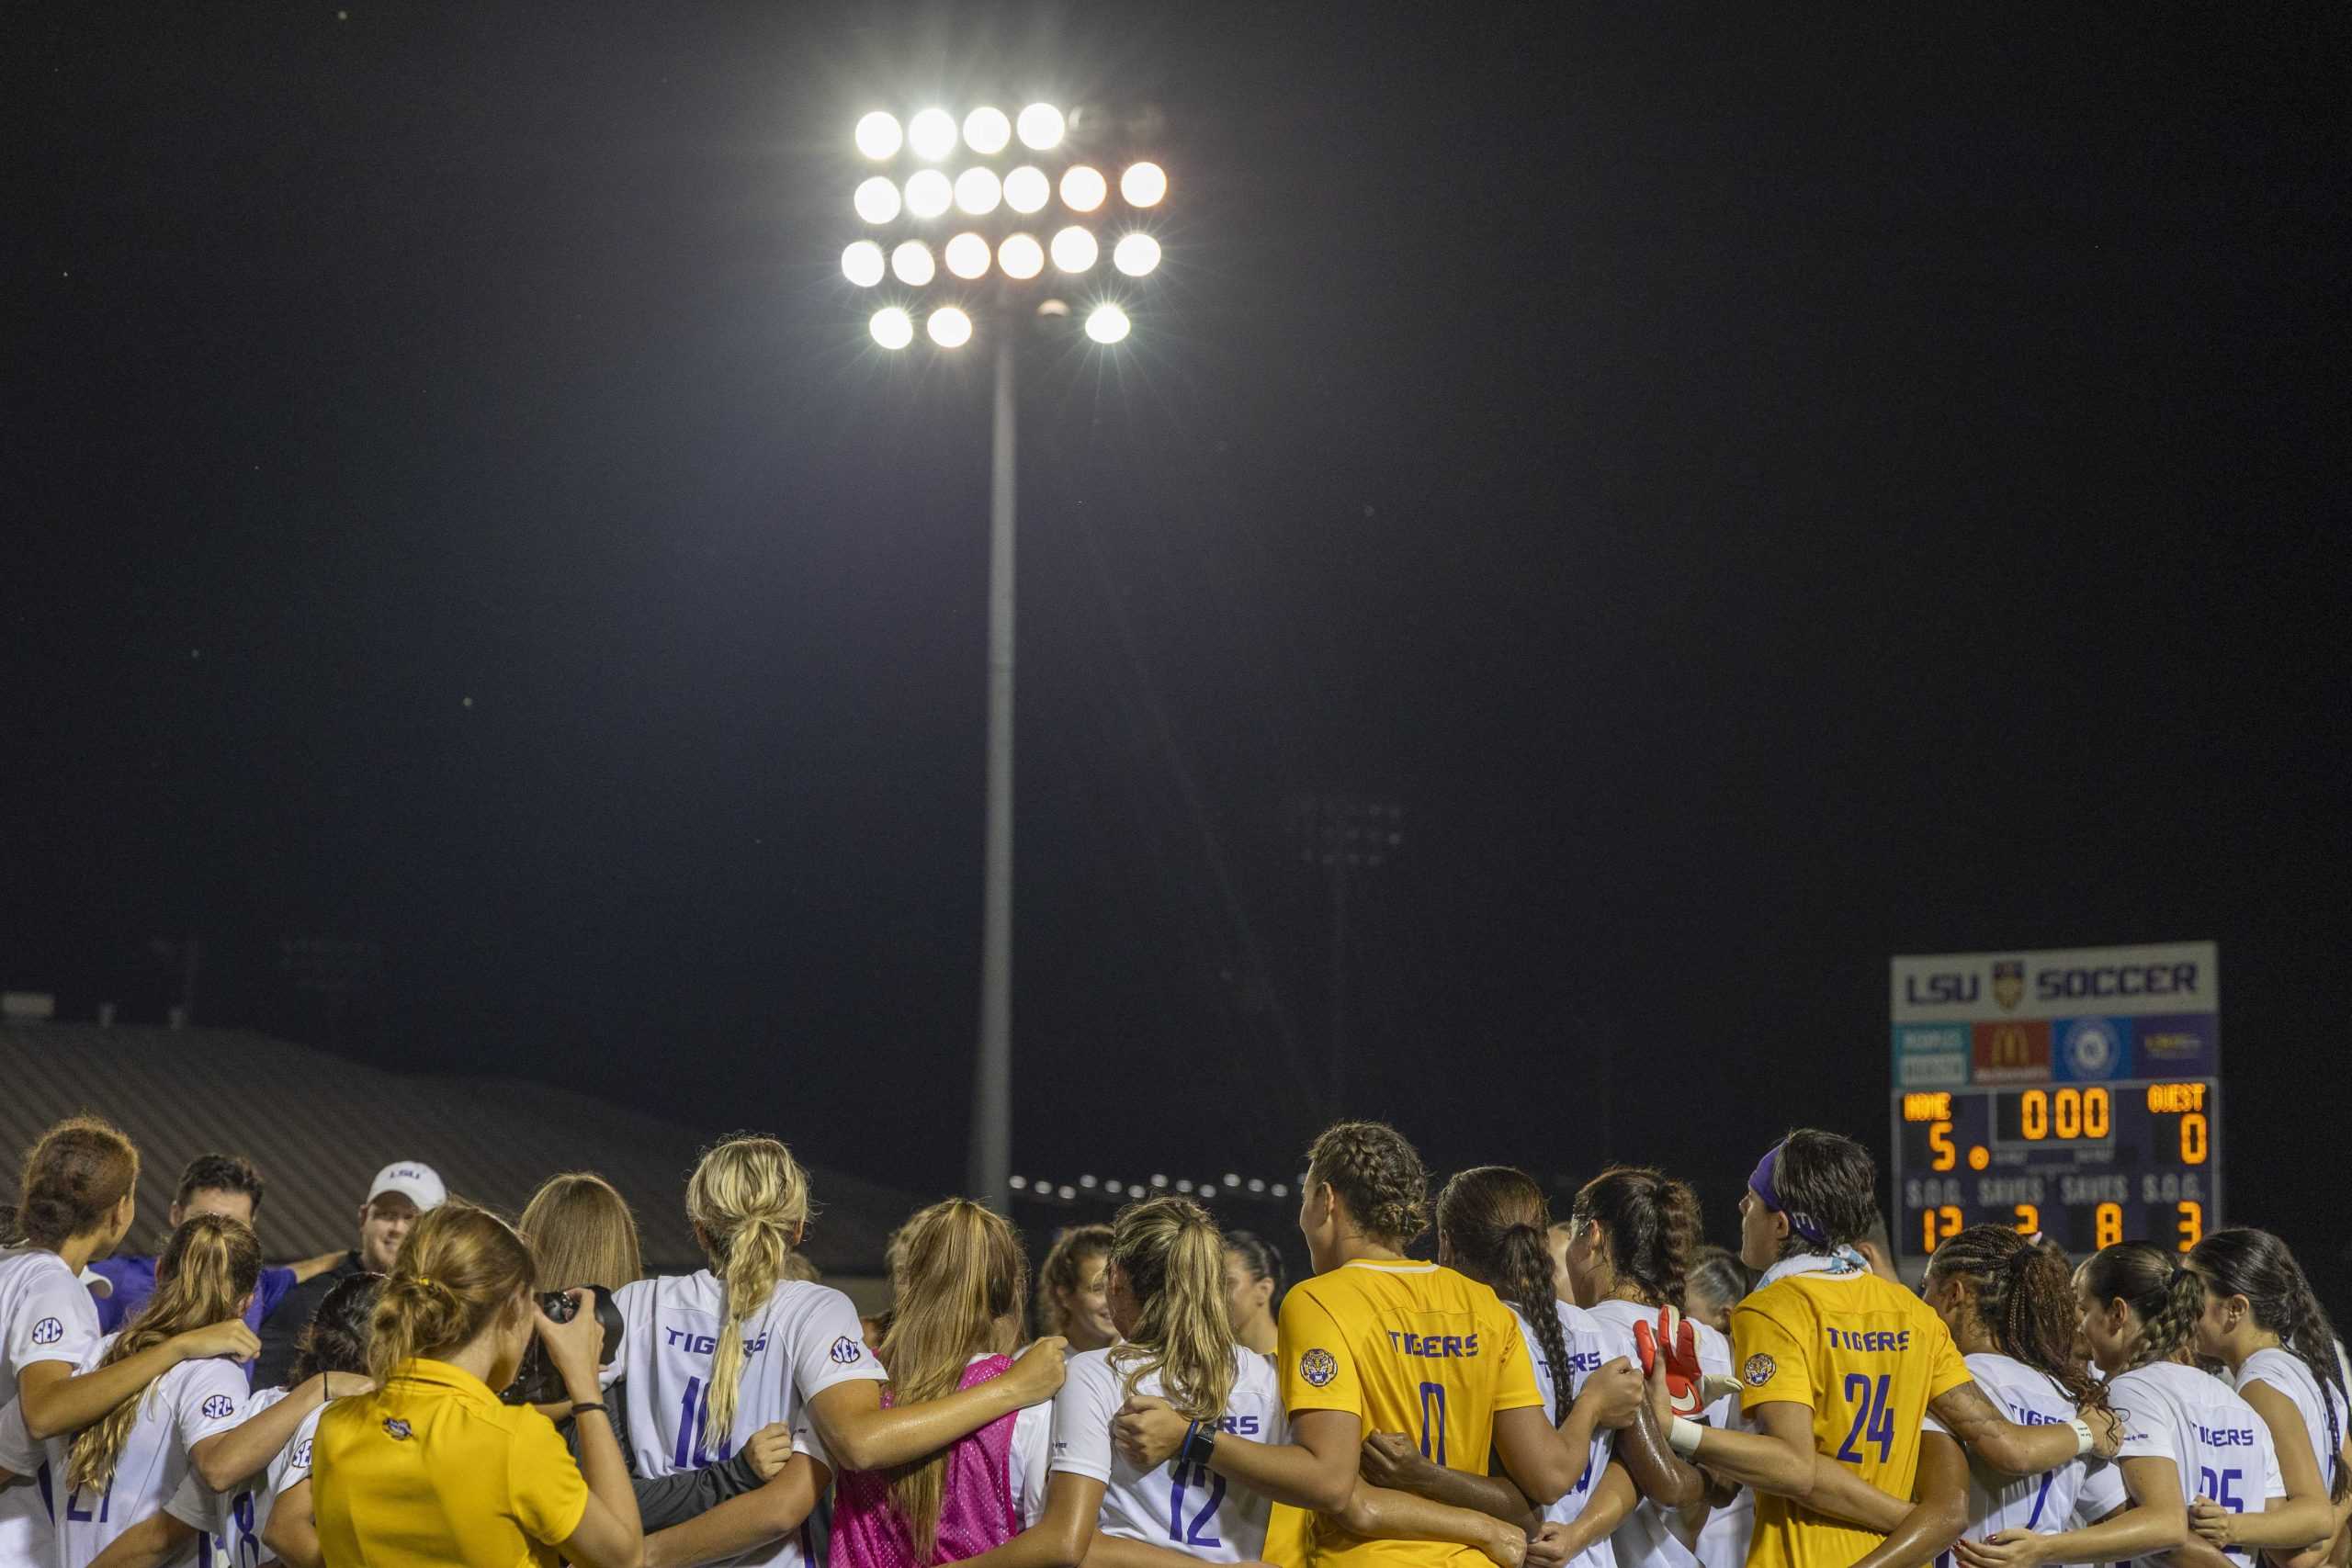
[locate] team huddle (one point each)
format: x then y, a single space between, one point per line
1596 1390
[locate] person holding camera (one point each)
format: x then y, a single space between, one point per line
435 1471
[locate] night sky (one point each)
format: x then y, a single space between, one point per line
1764 492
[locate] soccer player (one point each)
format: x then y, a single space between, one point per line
2182 1427
1838 1364
1073 1288
2262 1320
1253 1284
1376 1342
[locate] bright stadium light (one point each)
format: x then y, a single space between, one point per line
967 256
1143 185
892 328
1026 189
932 134
1075 250
1082 188
863 263
1021 256
985 131
928 193
878 136
1106 323
1041 128
978 192
911 264
877 200
1136 254
949 327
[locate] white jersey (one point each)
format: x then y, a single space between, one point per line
1647 1540
2323 1409
2221 1448
1998 1502
1192 1512
240 1515
806 1340
1587 1348
193 1401
46 1315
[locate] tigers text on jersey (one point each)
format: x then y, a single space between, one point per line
1866 1356
1998 1502
1192 1512
46 1315
241 1514
1647 1539
806 1340
2321 1408
187 1405
2221 1448
1411 1348
1586 1342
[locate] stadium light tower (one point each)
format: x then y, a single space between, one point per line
975 227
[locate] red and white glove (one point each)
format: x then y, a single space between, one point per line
1677 1342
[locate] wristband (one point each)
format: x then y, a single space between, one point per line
1683 1436
579 1410
2084 1440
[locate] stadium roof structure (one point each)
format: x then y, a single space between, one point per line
320 1127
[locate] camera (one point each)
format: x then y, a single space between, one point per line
535 1381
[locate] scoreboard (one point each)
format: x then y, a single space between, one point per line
2075 1092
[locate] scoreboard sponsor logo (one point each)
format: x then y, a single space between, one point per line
2179 1045
1942 1069
2015 1051
2008 983
2092 1050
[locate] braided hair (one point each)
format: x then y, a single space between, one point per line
1378 1177
1493 1221
1653 1224
2257 1265
2026 1302
2165 1297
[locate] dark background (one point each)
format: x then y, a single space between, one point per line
1764 492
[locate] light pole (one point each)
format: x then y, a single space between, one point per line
1011 169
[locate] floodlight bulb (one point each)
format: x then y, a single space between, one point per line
1136 254
932 134
1041 128
1075 250
1107 323
978 192
929 194
878 135
863 264
893 328
986 130
950 328
877 200
1082 188
967 256
1026 189
1143 185
912 264
1021 256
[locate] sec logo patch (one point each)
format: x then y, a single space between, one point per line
220 1408
1318 1367
301 1460
1760 1370
47 1331
847 1351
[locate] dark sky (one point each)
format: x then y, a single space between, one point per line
1765 492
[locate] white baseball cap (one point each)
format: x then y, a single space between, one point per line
413 1181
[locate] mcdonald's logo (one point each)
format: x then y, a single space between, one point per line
2011 1051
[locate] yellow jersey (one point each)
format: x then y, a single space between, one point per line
1866 1356
435 1472
1409 1348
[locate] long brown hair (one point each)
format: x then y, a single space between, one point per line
205 1275
961 1276
2165 1297
458 1269
748 1199
73 1179
2257 1265
1653 1224
2025 1300
1064 1266
1173 1256
1492 1221
582 1233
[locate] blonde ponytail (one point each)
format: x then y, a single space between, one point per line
460 1267
1172 1257
749 1199
207 1271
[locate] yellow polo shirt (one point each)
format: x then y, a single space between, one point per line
435 1473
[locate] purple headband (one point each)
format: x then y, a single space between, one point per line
1760 1183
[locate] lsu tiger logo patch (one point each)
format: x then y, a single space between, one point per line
1760 1370
1318 1367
